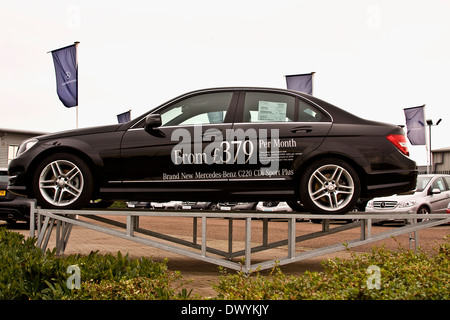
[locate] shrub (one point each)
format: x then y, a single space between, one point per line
403 275
27 273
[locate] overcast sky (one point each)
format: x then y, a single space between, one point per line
372 58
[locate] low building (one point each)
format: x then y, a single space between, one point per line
10 140
441 160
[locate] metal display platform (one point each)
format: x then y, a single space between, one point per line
44 221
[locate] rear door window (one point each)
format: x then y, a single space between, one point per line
268 107
276 107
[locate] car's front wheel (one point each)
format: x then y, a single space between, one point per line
62 181
425 211
329 186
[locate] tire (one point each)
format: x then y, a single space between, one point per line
62 181
423 210
212 206
296 206
329 186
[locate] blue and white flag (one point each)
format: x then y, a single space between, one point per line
415 125
66 69
124 117
300 82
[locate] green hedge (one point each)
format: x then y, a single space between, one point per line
27 273
403 274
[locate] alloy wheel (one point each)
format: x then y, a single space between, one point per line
331 187
61 183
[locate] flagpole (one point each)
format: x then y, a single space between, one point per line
76 59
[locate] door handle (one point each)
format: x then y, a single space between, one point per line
302 129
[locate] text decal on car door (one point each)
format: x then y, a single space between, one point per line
239 147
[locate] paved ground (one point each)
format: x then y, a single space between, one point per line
203 274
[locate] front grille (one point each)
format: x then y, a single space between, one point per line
270 203
384 204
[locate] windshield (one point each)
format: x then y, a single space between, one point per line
422 183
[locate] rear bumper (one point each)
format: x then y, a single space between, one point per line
395 174
399 185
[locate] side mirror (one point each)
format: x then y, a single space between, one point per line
152 121
436 191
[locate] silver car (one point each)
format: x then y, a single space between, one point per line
432 195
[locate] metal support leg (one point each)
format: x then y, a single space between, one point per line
363 229
45 233
291 237
413 240
130 225
41 231
203 236
230 236
136 222
39 220
194 231
33 219
248 243
265 232
58 235
325 225
63 230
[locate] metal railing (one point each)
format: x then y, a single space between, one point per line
44 221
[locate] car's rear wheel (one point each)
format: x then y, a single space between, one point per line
63 181
329 186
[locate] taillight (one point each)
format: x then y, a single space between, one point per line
399 140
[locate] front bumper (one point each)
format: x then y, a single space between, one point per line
15 210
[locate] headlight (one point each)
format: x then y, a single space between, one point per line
26 145
369 204
407 204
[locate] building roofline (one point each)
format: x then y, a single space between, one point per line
446 149
20 131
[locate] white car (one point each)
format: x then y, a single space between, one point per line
167 205
273 207
432 195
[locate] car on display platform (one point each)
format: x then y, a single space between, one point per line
431 195
237 144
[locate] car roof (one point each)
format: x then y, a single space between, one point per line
431 175
338 115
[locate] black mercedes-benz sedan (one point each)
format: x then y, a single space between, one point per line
222 144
